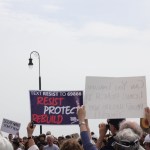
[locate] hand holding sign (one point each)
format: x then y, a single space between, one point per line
30 129
81 113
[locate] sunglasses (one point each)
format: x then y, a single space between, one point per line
125 143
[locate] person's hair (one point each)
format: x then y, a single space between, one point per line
79 141
5 144
126 139
68 137
15 142
61 138
50 136
56 143
132 125
42 135
71 144
115 122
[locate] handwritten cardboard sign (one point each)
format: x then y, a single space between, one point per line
115 97
10 126
55 107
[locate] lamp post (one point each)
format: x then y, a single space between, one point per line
30 65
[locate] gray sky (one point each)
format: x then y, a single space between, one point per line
75 39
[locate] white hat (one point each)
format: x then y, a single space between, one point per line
147 139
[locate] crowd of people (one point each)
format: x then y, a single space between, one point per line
116 134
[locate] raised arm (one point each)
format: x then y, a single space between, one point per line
147 114
31 142
102 133
87 145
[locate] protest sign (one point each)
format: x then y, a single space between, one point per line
10 126
115 97
55 107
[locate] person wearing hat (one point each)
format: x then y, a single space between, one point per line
113 126
126 138
48 133
147 142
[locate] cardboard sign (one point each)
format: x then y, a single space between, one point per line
55 107
115 97
10 126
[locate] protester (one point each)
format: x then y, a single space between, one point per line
126 136
16 144
61 139
31 143
48 133
5 144
147 138
85 137
147 142
71 144
125 139
147 114
41 141
50 145
56 142
113 126
132 125
25 140
10 137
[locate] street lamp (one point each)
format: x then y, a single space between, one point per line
30 65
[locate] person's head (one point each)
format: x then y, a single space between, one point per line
71 144
79 141
68 137
56 142
10 137
61 139
50 139
15 143
114 124
132 125
147 142
5 144
42 137
25 140
126 139
48 133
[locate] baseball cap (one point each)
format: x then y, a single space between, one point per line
147 139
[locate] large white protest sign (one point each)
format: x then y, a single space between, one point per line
10 126
115 97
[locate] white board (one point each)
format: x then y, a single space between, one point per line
10 126
115 97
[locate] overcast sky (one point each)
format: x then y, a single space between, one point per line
75 39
